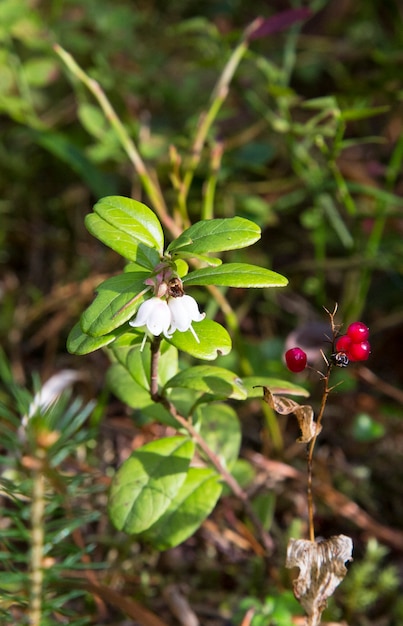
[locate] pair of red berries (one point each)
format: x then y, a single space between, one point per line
353 346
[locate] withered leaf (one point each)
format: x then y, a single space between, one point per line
303 413
322 568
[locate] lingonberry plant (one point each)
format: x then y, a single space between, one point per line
143 316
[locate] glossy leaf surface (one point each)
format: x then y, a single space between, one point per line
236 275
216 235
81 343
214 340
132 218
117 300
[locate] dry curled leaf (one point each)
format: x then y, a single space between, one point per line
303 413
321 569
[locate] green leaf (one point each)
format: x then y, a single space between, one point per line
133 218
117 300
210 260
80 343
121 383
236 275
214 340
122 242
192 504
217 381
216 235
219 427
168 363
147 482
138 362
254 384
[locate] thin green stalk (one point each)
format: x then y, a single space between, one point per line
207 118
207 211
150 186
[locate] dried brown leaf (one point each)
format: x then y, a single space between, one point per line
303 413
322 568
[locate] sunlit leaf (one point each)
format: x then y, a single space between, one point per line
236 275
122 384
210 260
147 482
81 343
133 218
122 242
117 300
210 379
214 340
216 235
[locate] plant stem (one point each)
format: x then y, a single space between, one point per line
207 118
36 558
210 454
311 447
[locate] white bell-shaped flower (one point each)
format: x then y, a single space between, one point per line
184 310
155 315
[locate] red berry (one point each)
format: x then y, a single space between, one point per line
357 331
295 359
359 351
343 343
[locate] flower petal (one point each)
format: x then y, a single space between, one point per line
192 308
155 315
184 311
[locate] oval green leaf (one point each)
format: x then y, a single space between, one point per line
236 275
216 235
133 218
147 482
117 300
121 383
80 343
122 242
192 504
217 381
214 340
